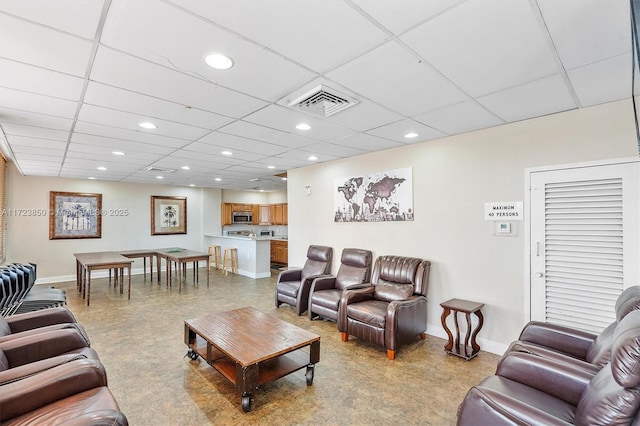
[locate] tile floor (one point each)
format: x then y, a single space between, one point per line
141 343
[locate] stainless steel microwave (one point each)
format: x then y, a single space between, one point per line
242 217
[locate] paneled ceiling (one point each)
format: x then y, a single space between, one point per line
78 76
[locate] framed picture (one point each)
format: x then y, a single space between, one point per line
74 215
168 215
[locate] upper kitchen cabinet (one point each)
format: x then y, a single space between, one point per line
255 212
242 208
279 213
226 213
265 215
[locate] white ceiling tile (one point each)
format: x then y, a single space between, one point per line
546 96
397 130
22 141
215 150
398 16
125 100
459 118
83 21
12 129
46 48
603 81
334 149
40 104
49 151
485 46
415 88
15 75
130 121
119 144
44 156
363 116
84 128
227 141
302 156
586 31
90 152
9 115
140 76
318 34
367 142
156 31
265 134
286 119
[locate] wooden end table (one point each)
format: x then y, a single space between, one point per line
471 347
251 348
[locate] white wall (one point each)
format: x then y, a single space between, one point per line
28 236
452 179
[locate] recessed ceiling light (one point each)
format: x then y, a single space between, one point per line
284 178
192 184
262 190
91 177
159 177
303 126
217 179
147 125
312 158
227 153
185 168
101 168
271 167
218 61
118 153
410 135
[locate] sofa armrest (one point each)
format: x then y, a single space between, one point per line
294 274
557 337
35 347
60 382
27 370
352 296
40 318
486 406
541 351
324 282
552 377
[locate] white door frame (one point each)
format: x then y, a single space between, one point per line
527 216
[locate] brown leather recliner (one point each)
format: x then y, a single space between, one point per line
528 389
293 285
570 345
326 292
393 310
74 393
39 321
30 354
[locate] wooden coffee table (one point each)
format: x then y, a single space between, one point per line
251 348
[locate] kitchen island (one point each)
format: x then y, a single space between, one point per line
254 253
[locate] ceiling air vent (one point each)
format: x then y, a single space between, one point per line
323 101
159 169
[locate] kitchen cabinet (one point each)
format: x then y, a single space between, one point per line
280 252
226 213
264 215
255 214
279 213
241 207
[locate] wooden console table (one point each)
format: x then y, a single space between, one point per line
470 348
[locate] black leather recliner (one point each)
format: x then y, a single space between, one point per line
326 291
293 285
393 310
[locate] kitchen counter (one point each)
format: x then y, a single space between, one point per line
254 253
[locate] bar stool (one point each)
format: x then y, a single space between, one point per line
230 260
214 257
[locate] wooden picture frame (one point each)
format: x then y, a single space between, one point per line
168 215
74 215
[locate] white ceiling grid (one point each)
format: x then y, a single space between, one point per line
78 76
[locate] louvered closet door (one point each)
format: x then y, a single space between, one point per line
585 242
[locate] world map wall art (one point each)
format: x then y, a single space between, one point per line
379 197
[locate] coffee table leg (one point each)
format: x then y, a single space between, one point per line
246 382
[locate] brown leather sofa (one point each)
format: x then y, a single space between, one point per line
293 285
570 345
56 318
393 310
74 393
529 389
326 291
31 354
